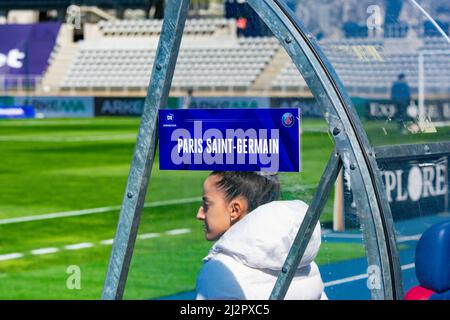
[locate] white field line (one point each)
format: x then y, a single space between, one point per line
10 256
85 245
143 236
28 138
107 242
153 204
149 236
44 251
345 280
359 277
49 121
79 246
413 237
409 238
94 210
408 266
178 231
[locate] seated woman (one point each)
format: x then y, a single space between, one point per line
254 232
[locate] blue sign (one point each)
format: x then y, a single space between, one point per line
14 112
265 140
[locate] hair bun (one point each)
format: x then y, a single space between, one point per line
266 173
272 176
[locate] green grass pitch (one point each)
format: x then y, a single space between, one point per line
59 165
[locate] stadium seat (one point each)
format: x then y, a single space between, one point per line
153 27
433 264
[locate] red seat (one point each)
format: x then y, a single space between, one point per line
418 293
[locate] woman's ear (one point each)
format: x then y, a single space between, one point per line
238 209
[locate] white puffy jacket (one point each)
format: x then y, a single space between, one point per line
245 262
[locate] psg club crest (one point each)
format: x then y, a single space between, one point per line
288 119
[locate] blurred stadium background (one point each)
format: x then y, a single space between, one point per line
84 66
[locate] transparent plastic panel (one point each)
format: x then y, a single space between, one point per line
417 189
393 58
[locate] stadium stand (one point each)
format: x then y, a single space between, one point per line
116 57
435 43
213 59
116 62
288 77
153 27
375 70
105 66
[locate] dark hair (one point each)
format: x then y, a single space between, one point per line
401 76
257 189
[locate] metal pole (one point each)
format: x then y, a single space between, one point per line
141 166
421 84
338 205
421 88
307 227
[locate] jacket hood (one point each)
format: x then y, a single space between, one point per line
262 238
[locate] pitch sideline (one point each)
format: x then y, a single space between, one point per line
82 212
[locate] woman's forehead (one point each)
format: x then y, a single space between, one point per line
210 185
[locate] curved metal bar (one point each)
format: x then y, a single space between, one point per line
351 142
